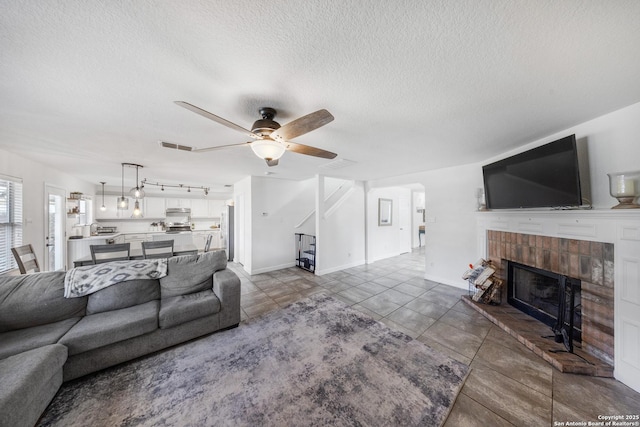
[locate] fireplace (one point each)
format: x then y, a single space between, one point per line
552 298
571 260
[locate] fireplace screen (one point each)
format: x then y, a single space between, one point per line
552 298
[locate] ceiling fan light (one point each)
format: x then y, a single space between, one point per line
268 149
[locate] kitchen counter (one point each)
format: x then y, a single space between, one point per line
137 254
114 235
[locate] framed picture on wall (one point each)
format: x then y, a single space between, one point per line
385 208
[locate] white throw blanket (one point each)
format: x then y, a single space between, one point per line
81 281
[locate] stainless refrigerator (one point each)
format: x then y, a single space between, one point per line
226 225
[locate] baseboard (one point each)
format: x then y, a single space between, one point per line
341 267
271 268
455 283
384 256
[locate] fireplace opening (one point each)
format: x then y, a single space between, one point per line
552 298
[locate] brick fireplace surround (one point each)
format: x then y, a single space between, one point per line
592 263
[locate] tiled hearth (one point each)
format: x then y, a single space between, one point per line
538 337
592 263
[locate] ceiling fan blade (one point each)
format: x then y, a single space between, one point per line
302 125
174 146
215 118
309 151
202 150
273 162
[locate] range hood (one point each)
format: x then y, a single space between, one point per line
181 211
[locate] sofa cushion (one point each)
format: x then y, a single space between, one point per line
14 342
184 308
29 382
36 299
98 330
123 295
188 274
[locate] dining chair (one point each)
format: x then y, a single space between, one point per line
157 249
26 259
106 253
207 244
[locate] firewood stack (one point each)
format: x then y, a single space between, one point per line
486 286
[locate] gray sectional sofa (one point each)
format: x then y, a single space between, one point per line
46 339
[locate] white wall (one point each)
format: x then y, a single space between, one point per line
340 225
276 207
34 177
450 229
612 142
386 241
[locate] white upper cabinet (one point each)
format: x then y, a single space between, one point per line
199 208
178 203
154 207
112 211
203 208
216 207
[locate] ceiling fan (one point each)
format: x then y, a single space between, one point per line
270 139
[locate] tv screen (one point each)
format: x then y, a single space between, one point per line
546 176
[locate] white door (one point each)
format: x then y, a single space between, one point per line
404 218
54 228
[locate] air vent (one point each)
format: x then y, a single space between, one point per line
337 164
175 146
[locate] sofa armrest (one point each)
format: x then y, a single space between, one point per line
226 286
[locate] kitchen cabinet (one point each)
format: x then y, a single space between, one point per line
178 203
203 208
199 208
136 239
112 211
80 248
200 239
154 207
183 238
216 207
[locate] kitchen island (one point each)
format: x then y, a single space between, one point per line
137 254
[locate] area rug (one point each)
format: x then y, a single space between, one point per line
315 362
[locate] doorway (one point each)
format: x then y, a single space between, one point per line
54 228
404 217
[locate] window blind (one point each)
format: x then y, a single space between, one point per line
10 220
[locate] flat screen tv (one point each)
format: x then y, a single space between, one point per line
553 175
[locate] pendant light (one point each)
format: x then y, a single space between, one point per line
103 207
137 192
123 202
137 212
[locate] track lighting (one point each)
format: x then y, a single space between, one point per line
189 187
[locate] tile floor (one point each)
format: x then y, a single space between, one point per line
508 384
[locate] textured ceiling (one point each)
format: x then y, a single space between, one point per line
413 85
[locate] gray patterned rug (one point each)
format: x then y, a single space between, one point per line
316 362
